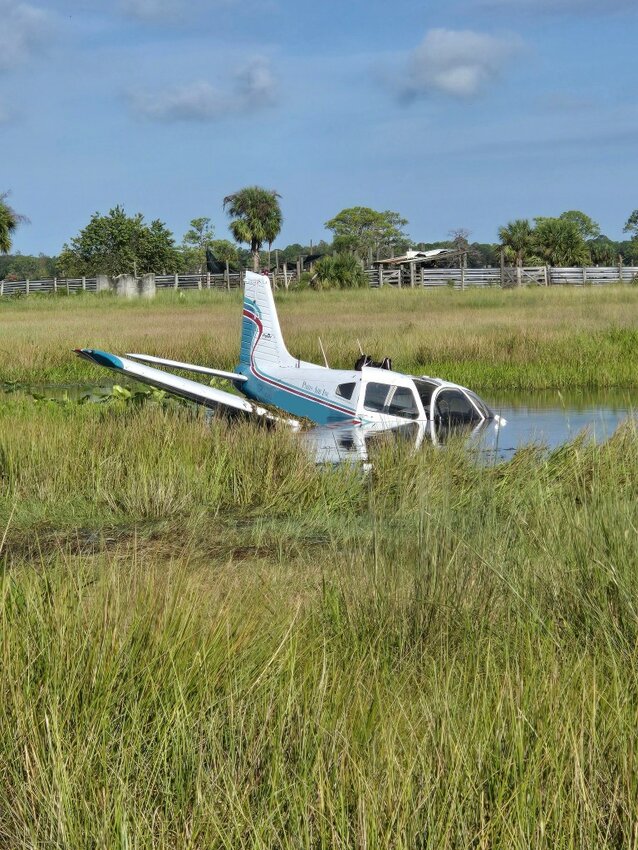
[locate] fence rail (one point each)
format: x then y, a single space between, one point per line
458 278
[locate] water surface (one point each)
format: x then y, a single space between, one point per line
553 417
547 417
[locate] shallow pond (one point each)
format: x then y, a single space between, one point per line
549 417
553 417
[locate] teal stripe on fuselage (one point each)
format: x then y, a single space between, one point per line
288 400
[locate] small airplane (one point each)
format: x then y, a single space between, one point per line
370 396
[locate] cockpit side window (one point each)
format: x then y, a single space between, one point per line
403 403
345 390
395 401
376 395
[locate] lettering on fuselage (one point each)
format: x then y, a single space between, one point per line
318 390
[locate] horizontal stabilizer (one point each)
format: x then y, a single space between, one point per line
183 387
187 367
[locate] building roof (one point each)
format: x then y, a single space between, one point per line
421 257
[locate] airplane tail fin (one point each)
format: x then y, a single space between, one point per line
262 342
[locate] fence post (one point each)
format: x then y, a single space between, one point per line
83 284
227 276
619 268
380 276
176 283
199 281
412 270
285 267
502 268
463 261
55 286
207 280
546 275
27 283
519 275
2 286
584 276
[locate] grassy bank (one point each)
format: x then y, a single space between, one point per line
209 642
491 340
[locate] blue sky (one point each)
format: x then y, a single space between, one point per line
455 113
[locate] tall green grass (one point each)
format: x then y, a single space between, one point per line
207 641
490 340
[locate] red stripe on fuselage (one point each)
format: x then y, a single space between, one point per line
253 368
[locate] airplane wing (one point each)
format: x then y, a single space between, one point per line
185 388
188 367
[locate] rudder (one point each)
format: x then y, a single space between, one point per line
261 337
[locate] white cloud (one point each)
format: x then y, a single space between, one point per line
256 83
198 101
458 63
254 87
23 29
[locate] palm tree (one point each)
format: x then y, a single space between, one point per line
9 220
560 243
256 217
517 236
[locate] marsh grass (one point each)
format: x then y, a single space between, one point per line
517 339
257 652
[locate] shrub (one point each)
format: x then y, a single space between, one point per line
341 271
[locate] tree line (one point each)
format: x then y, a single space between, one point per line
118 243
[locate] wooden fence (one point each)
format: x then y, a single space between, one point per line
430 278
463 278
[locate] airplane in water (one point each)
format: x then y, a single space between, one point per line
347 405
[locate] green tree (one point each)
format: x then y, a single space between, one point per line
119 244
9 221
560 243
195 241
631 225
362 230
22 266
587 227
225 251
603 251
256 218
516 238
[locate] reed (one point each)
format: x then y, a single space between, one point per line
491 340
207 641
431 655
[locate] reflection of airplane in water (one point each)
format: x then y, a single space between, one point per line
365 400
343 443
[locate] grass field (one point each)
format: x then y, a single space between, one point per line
209 642
491 340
